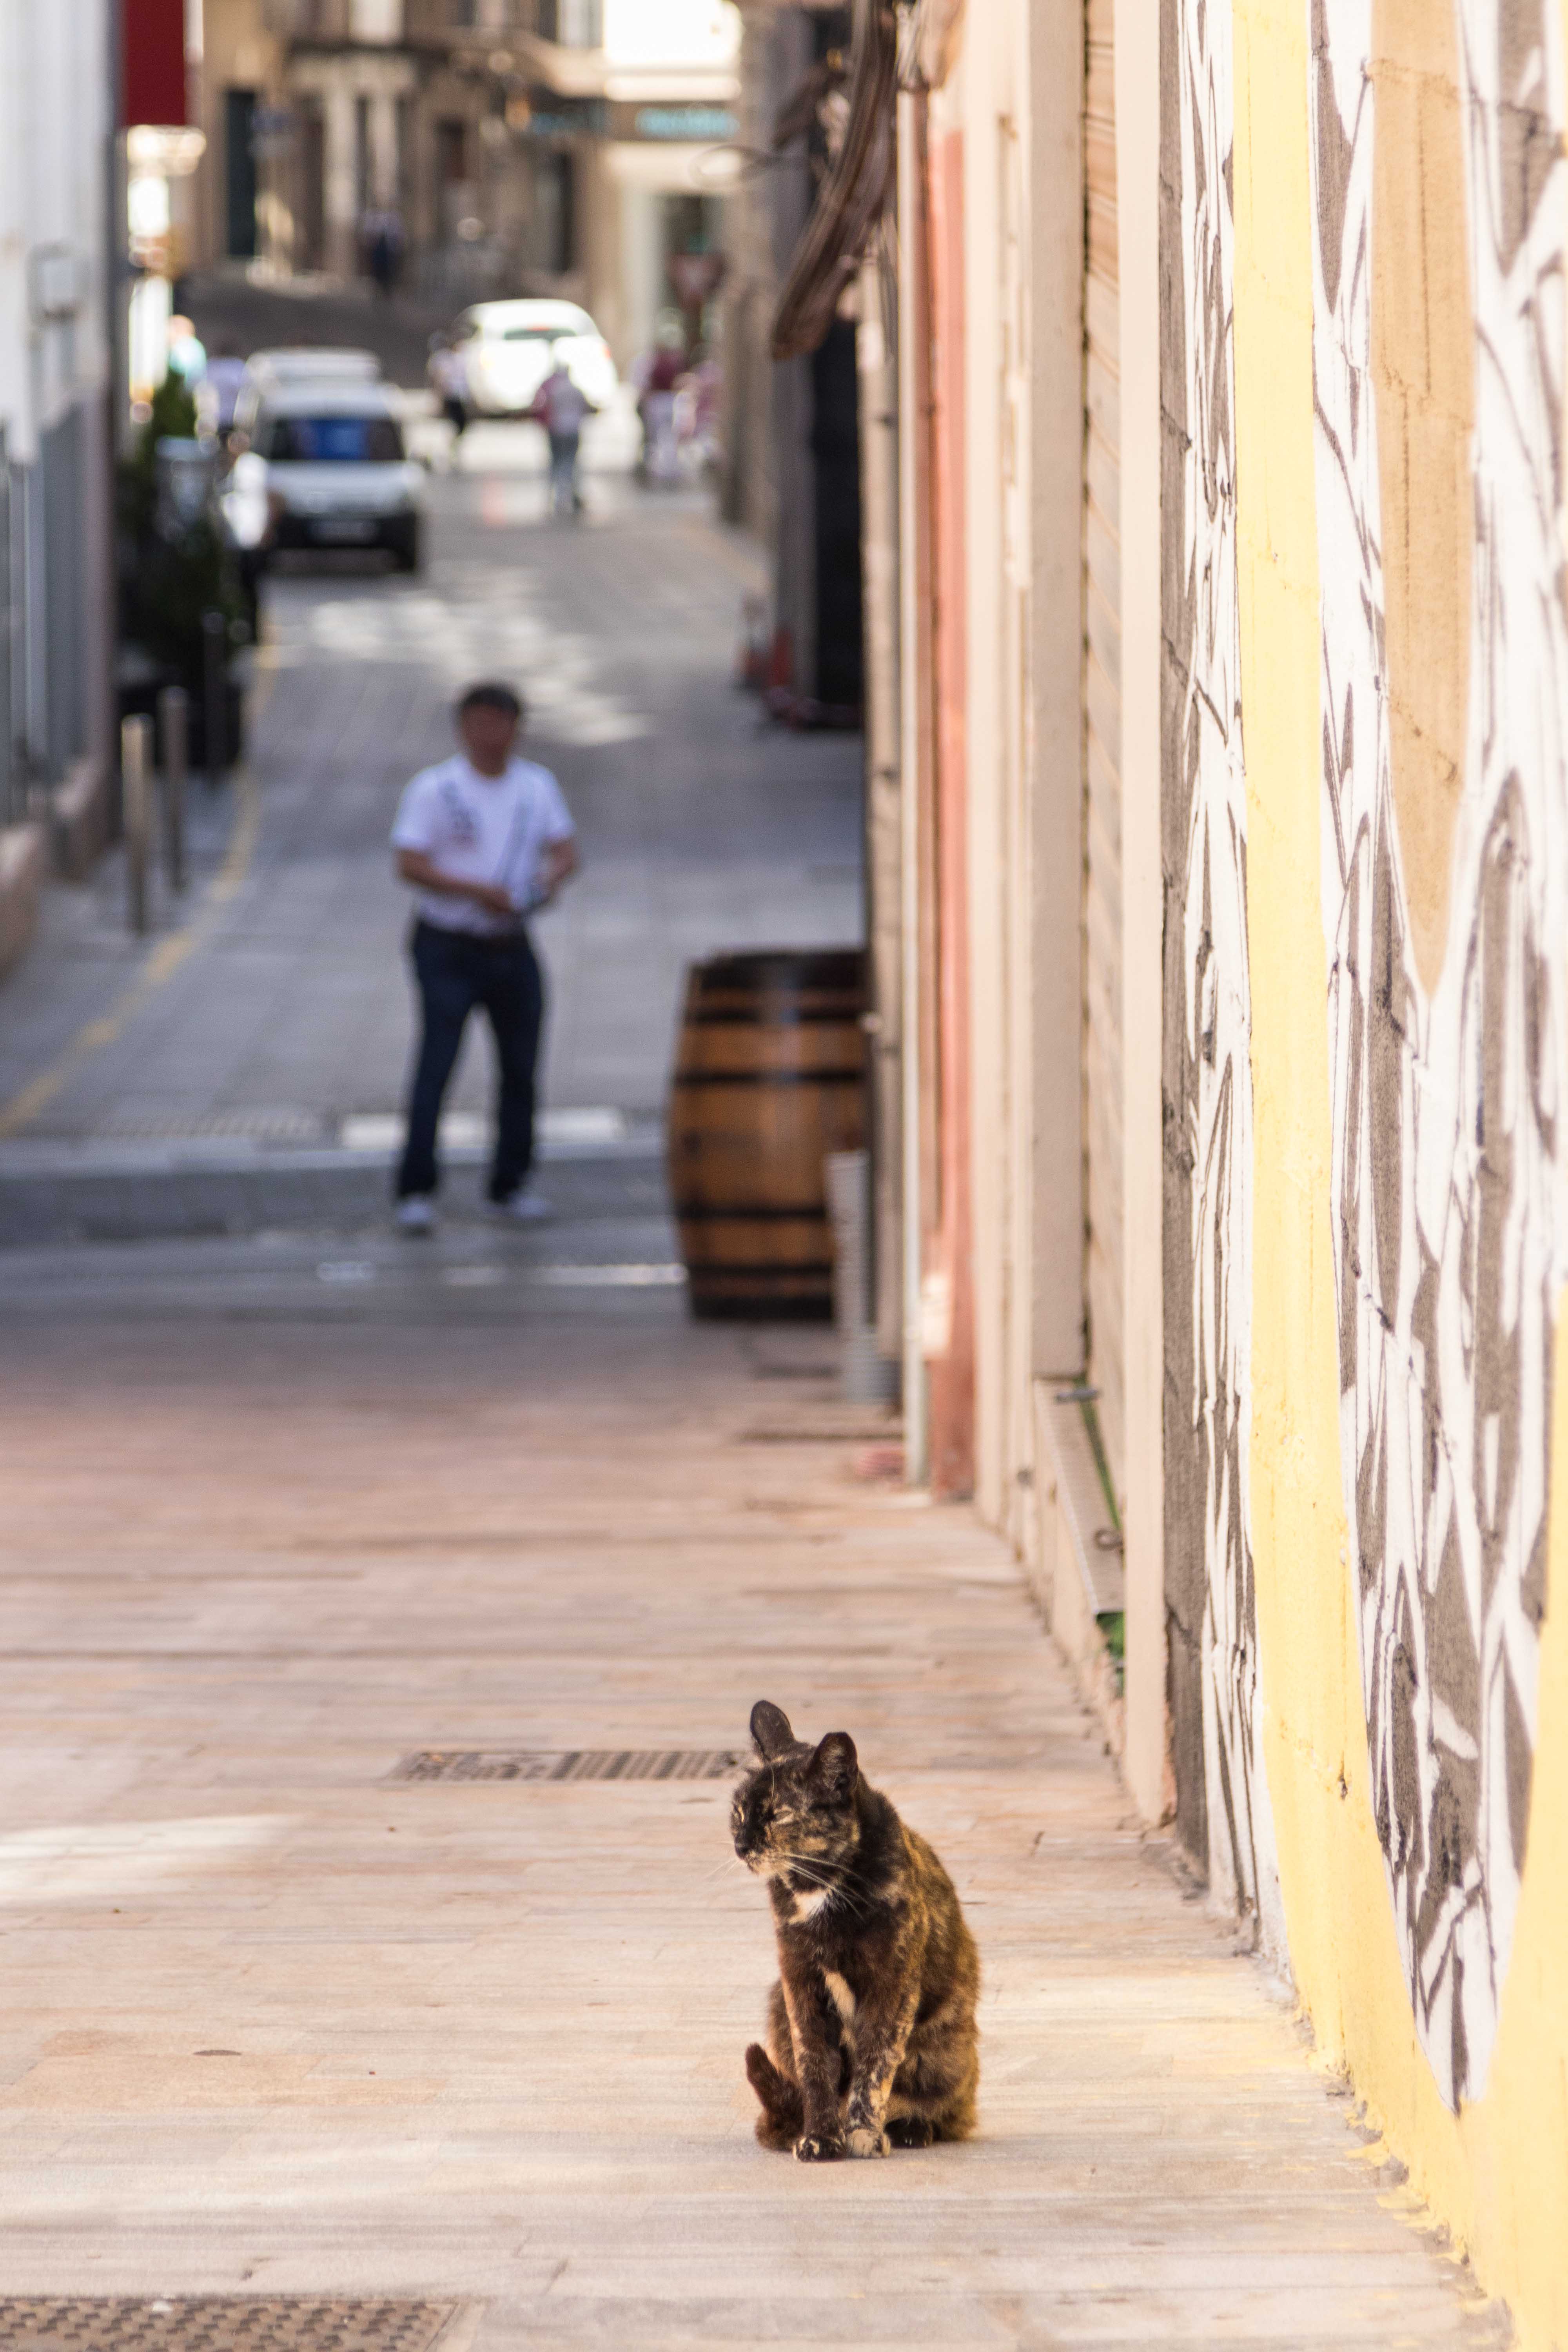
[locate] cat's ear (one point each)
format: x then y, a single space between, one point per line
770 1730
833 1767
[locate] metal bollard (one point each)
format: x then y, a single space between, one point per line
174 726
136 779
215 715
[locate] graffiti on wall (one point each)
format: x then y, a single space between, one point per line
1208 1076
1438 201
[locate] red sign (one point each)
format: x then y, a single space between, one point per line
152 80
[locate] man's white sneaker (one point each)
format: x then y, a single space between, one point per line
523 1208
416 1215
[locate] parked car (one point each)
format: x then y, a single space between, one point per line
335 472
509 349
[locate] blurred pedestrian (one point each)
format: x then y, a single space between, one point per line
561 404
448 370
656 375
484 839
187 352
382 230
225 374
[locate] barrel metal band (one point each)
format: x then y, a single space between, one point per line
789 1016
709 1271
769 1078
801 1216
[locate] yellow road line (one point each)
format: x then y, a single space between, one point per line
170 953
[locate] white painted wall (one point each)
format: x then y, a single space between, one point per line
54 129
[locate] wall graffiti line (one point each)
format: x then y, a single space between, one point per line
1208 1076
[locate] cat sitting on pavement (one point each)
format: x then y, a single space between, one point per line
872 2039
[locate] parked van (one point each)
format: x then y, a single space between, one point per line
327 461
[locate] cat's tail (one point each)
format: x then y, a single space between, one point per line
782 2118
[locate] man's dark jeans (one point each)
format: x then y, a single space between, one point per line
564 497
457 972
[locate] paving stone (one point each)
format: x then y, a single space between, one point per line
276 2019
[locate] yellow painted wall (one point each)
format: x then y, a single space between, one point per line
1497 2173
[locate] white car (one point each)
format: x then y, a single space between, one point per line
508 347
336 472
272 372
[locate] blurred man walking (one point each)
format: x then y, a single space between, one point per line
484 838
562 404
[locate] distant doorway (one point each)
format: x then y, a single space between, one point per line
454 191
555 209
239 174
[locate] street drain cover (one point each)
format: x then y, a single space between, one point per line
217 2322
570 1764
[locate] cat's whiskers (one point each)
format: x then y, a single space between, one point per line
730 1862
830 1883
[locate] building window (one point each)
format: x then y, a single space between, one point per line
405 137
574 24
451 151
556 199
361 157
239 174
453 189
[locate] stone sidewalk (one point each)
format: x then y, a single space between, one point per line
277 2022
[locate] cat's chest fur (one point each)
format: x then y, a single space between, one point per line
802 1910
839 1946
840 1994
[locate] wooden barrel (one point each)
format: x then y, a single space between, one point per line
769 1078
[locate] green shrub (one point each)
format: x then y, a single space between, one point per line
166 585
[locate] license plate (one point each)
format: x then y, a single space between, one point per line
349 529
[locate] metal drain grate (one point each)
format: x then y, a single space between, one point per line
217 2322
283 1125
570 1764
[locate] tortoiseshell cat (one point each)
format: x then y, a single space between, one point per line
871 2038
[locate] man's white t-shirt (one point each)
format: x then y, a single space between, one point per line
481 829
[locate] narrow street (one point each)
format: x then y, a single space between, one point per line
262 1068
289 1503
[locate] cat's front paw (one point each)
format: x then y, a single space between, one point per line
864 2141
819 2147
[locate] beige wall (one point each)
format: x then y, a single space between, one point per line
1022 524
239 51
1099 725
1024 507
1137 67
